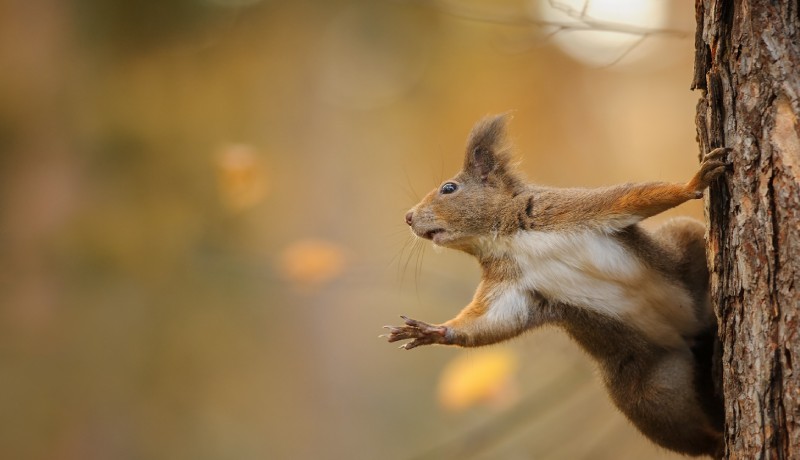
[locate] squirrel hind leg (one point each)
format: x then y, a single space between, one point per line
670 410
687 238
684 237
708 369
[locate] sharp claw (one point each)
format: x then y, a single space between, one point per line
418 332
413 323
718 151
409 321
719 154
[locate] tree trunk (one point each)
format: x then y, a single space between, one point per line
747 63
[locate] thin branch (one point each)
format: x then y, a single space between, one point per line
585 8
521 19
627 51
571 12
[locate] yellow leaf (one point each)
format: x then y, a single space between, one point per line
481 376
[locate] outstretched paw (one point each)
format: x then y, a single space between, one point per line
421 333
712 166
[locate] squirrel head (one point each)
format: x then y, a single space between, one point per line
472 204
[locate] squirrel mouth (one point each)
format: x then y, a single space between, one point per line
431 233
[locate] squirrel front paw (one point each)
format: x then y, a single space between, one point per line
712 166
422 333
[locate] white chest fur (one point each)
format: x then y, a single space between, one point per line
593 270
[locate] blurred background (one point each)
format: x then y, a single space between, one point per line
201 220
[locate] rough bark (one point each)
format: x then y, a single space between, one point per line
747 65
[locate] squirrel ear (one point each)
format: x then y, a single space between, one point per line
487 148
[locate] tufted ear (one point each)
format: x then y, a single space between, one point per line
487 147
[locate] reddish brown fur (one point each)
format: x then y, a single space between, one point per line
645 353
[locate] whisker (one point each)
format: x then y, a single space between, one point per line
399 255
399 231
418 268
432 168
441 166
408 249
410 187
408 260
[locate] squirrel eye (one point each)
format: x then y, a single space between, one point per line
448 188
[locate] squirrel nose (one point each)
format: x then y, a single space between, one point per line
409 217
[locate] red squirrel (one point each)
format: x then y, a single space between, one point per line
636 301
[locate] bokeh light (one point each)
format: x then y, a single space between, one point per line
603 47
242 177
311 262
483 376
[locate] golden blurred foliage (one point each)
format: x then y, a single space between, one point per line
150 295
312 262
241 177
483 376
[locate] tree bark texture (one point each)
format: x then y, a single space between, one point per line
747 65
